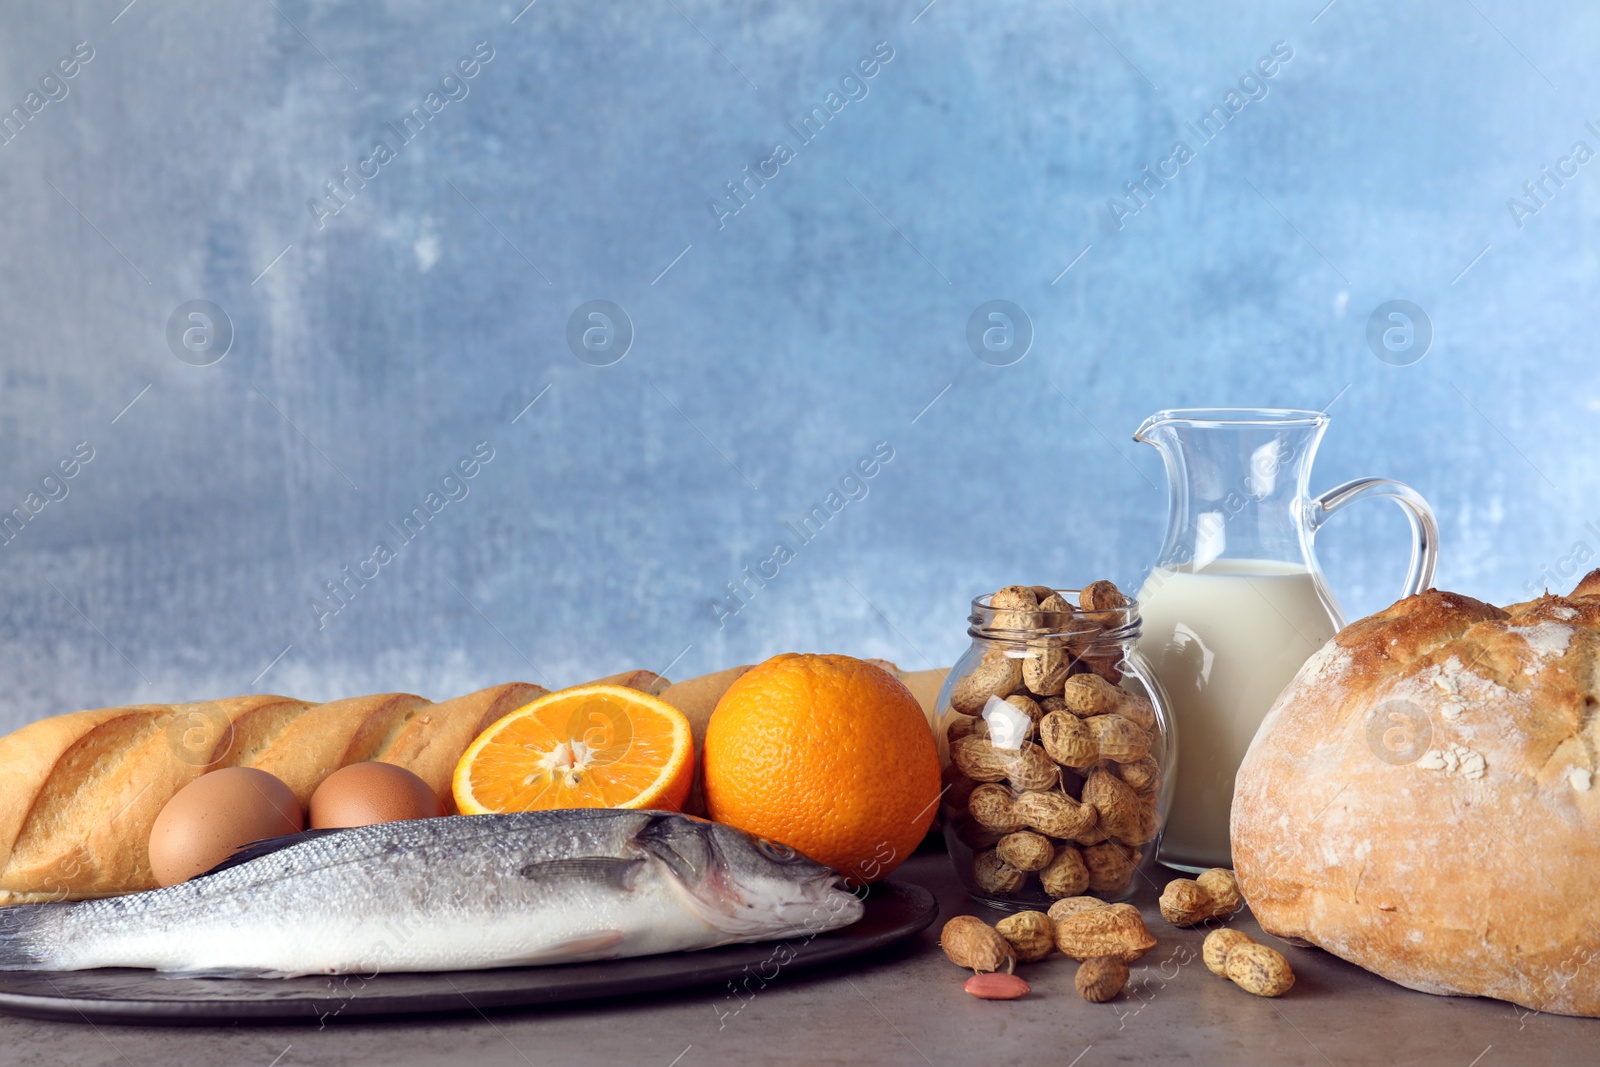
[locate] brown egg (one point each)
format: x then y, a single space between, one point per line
211 817
364 793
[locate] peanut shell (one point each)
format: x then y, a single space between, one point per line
1218 945
1260 970
1184 902
1072 905
1054 814
1052 603
1032 935
1015 608
1067 740
993 875
1066 875
1115 930
1025 850
1111 866
1223 888
1089 694
1025 768
993 807
1101 596
1143 774
1116 738
1122 811
1027 705
1100 978
972 943
1045 669
996 674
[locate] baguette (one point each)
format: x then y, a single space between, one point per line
81 791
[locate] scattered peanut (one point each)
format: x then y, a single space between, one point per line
1218 943
1253 967
1223 887
997 986
1100 978
972 943
1260 970
1187 901
1032 935
1114 930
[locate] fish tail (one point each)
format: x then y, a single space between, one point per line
21 946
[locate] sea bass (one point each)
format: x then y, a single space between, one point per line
459 893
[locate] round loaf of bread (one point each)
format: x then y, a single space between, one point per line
1421 800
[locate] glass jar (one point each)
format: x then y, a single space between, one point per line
1057 745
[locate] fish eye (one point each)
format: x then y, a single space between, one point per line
775 850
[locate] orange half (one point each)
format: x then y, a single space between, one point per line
594 746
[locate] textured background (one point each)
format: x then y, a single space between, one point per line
371 350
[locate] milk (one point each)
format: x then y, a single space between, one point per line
1224 641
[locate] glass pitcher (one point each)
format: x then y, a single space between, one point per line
1237 603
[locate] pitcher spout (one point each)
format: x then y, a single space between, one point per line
1147 431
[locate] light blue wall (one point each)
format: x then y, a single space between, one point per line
783 345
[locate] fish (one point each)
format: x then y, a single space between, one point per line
465 892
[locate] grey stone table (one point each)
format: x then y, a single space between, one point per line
904 1008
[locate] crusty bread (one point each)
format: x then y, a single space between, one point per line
79 792
697 699
1421 800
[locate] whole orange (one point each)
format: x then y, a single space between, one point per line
827 754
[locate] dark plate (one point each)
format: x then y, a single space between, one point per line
894 911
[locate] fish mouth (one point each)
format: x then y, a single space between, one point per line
744 898
773 909
824 903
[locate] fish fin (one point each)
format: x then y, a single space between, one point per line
620 874
569 948
266 847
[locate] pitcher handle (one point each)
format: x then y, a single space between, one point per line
1424 528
